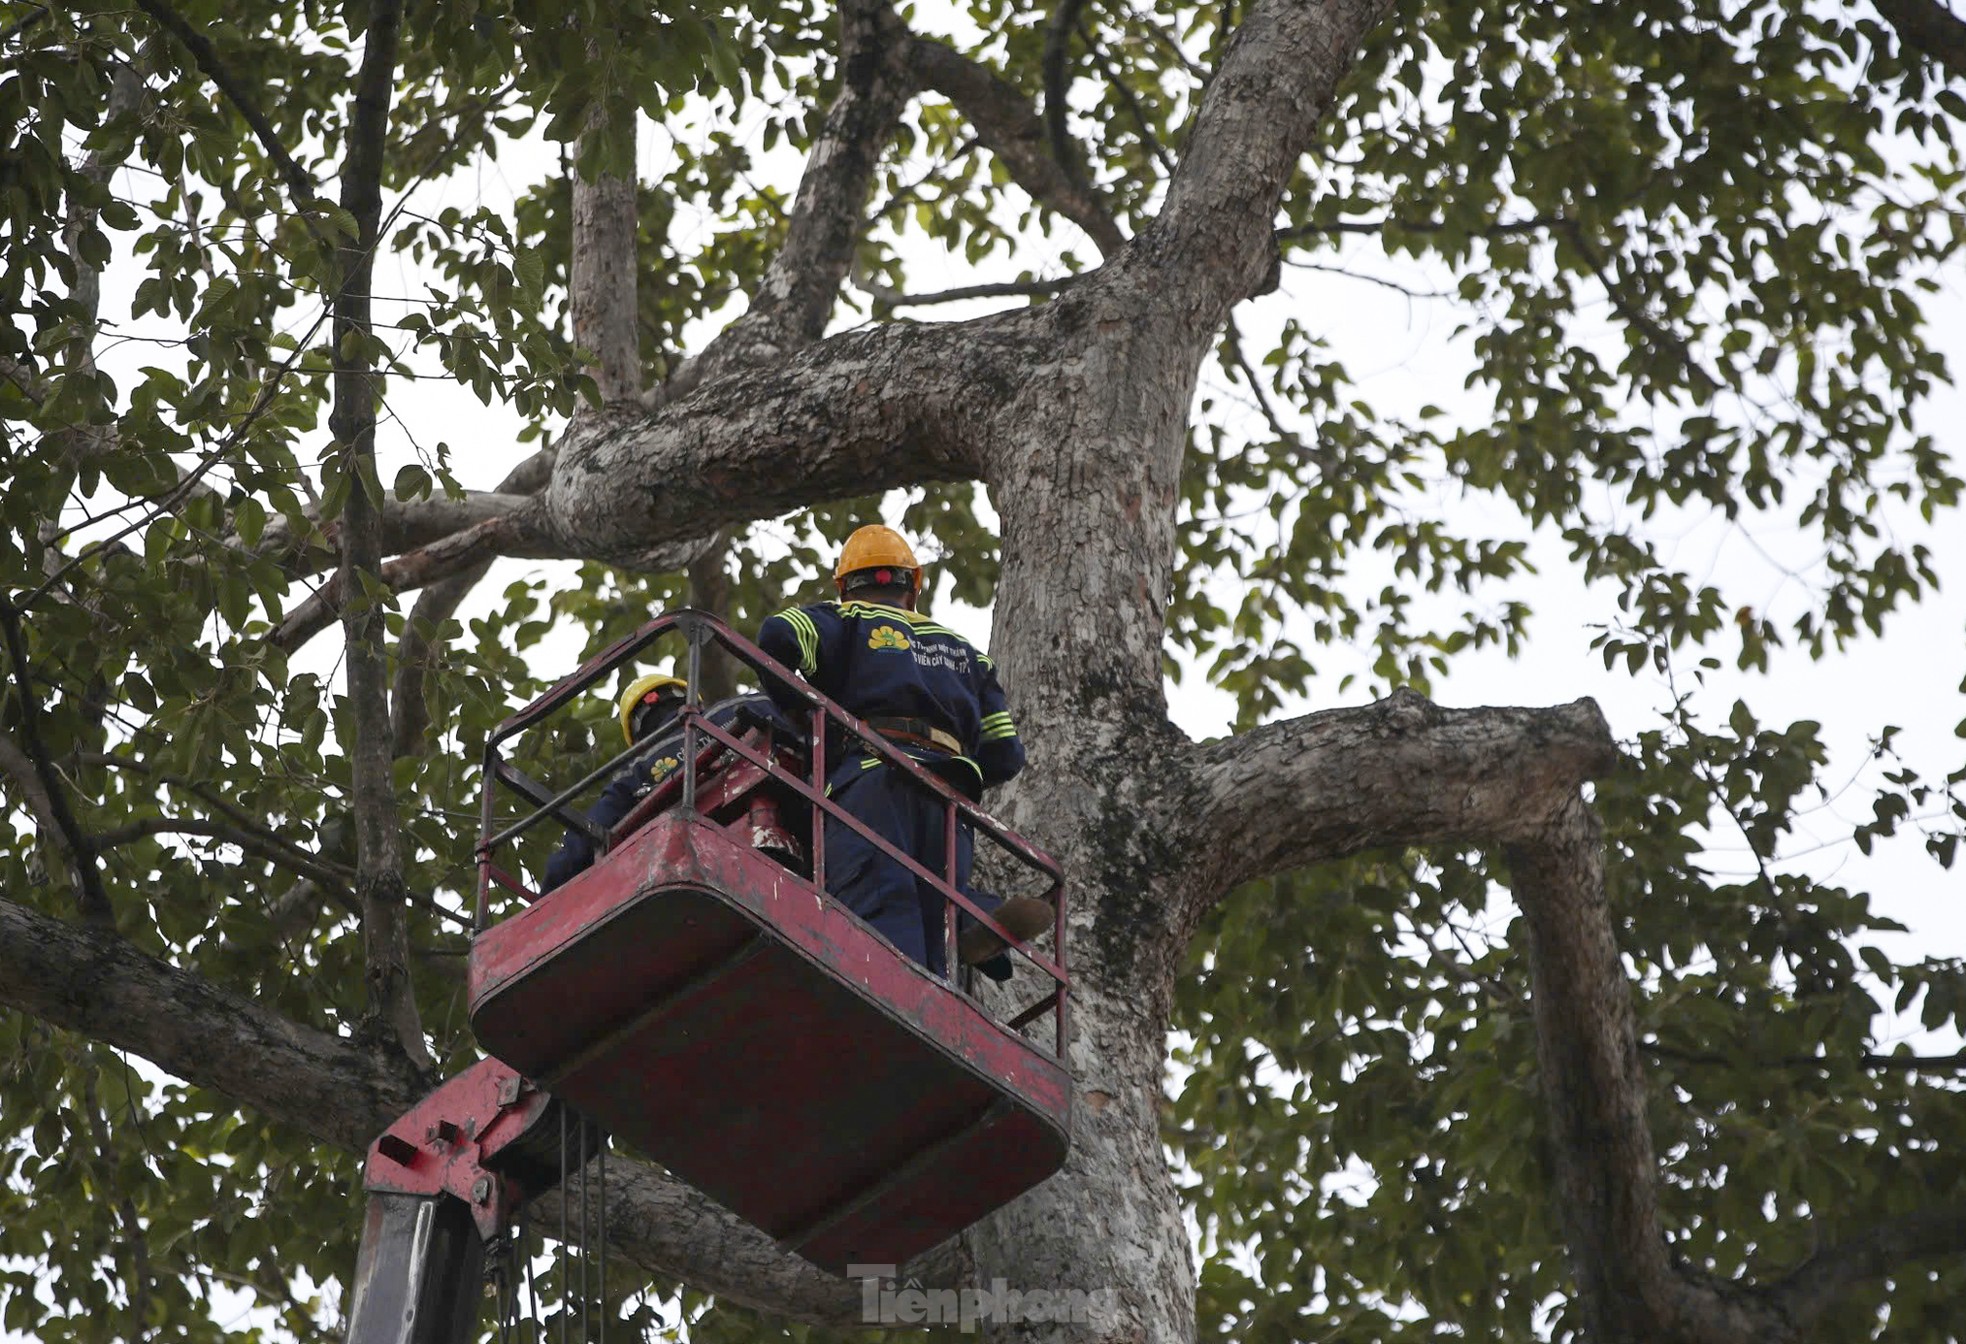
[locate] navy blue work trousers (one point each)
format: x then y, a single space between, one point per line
907 911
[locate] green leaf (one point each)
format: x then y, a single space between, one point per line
412 482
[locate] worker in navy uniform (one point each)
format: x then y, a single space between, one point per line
935 696
648 709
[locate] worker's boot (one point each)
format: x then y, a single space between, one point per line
1024 916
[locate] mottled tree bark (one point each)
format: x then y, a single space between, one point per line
601 289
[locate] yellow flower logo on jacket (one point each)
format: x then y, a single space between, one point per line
887 637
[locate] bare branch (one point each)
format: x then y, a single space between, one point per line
894 298
459 552
1006 122
379 884
1399 772
1930 29
406 524
52 798
1057 81
1869 1059
795 297
1499 229
1213 241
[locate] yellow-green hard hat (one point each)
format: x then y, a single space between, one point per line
644 691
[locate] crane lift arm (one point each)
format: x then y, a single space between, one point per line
442 1181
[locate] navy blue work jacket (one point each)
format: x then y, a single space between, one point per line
882 662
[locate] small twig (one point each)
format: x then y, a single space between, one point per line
1283 432
95 901
274 852
1394 285
1634 314
1147 136
1146 22
1499 229
1870 1059
894 298
192 479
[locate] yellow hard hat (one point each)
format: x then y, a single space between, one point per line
645 691
877 547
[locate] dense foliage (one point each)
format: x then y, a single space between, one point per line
1687 249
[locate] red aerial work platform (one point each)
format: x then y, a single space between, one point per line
698 995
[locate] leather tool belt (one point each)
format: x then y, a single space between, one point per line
918 732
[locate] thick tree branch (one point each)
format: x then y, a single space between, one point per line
1006 122
861 412
458 553
1213 240
1930 29
406 524
91 981
601 289
379 884
1402 771
795 297
343 1092
1595 1098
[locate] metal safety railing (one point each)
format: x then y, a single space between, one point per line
702 737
